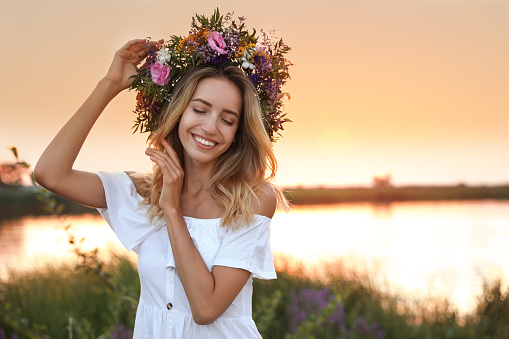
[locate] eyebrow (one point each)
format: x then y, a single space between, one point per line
209 104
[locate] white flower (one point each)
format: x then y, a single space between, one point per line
248 52
164 56
246 64
245 59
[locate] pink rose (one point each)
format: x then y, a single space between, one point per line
216 42
160 73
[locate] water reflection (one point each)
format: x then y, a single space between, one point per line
419 249
33 241
441 249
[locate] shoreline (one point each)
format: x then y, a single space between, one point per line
20 201
389 194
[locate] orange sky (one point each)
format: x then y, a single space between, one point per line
412 87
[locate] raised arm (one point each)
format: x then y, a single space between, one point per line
54 170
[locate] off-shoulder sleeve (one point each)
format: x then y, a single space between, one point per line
125 213
249 248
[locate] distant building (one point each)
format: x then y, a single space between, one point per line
13 174
382 180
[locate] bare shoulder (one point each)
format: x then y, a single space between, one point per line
266 201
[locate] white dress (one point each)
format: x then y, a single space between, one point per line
163 310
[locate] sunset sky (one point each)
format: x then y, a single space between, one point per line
416 88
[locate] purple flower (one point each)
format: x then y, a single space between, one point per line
362 327
121 332
307 302
263 63
256 79
219 60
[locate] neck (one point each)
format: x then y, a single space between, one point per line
197 177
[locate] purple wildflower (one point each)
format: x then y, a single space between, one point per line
262 63
308 302
255 78
219 60
363 328
121 332
268 70
339 316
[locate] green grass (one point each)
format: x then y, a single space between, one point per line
43 300
52 301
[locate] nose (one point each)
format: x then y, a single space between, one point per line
209 126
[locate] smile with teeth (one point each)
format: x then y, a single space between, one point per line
203 141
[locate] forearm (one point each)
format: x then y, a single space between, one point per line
57 160
197 280
209 293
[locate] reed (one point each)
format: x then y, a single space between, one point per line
339 302
60 301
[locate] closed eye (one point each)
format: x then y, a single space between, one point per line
229 123
198 111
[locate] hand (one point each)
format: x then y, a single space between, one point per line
126 58
173 175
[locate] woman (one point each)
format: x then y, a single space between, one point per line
200 223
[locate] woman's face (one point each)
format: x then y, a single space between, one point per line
209 122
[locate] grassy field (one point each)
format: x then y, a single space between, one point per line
95 299
65 302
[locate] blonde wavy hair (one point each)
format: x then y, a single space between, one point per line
245 167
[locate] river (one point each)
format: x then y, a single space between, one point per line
417 249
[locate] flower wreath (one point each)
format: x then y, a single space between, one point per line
214 41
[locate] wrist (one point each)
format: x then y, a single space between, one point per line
172 212
110 88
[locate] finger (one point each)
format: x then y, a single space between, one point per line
167 152
141 54
171 152
133 42
156 43
165 166
165 161
139 48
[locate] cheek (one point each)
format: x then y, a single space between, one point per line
182 128
180 131
229 133
184 123
237 132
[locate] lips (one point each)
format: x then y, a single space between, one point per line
203 141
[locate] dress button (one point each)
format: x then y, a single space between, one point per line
169 306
